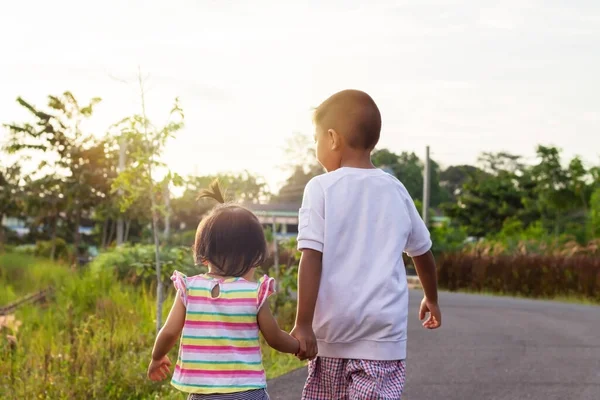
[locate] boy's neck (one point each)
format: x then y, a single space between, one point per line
357 159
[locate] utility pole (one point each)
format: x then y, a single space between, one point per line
122 155
275 250
426 187
167 212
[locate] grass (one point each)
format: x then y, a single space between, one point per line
21 275
92 341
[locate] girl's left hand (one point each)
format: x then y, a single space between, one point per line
159 369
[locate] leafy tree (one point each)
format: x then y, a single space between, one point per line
10 195
593 219
454 177
562 194
408 168
242 188
293 189
45 201
65 148
303 166
485 203
502 162
138 179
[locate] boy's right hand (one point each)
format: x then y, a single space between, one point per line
308 342
434 320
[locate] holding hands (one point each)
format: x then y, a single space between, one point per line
308 342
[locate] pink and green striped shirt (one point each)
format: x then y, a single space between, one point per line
219 350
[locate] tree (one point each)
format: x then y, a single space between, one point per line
493 163
241 188
57 134
593 219
560 196
484 203
454 177
408 168
10 195
45 201
293 189
303 166
138 179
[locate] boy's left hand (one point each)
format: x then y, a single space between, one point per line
159 370
307 341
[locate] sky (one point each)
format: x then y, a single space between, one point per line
460 76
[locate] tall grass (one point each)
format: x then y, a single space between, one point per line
21 274
571 272
93 340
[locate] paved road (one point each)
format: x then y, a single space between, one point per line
493 348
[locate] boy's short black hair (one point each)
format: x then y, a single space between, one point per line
354 115
230 238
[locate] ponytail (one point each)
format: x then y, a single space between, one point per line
213 192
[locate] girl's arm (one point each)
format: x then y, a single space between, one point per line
166 339
275 337
170 332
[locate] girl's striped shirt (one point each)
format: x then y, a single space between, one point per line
219 350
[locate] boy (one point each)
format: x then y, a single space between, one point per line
354 225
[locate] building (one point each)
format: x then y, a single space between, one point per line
16 225
282 219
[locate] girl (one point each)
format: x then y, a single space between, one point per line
218 315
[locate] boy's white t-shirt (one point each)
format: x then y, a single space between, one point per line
362 220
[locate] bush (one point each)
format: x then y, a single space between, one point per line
447 238
136 264
184 239
43 248
28 249
522 274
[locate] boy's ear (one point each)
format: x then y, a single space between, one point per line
335 139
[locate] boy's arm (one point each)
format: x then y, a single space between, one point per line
311 238
418 247
425 266
309 279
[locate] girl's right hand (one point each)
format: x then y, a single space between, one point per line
159 369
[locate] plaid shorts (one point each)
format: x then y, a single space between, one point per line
340 379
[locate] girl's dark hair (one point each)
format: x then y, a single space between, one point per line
230 237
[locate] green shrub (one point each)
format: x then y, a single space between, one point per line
43 248
447 238
136 264
24 249
184 239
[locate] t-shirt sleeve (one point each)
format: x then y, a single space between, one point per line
180 283
266 287
419 239
311 218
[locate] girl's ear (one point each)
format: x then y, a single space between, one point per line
203 262
335 139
